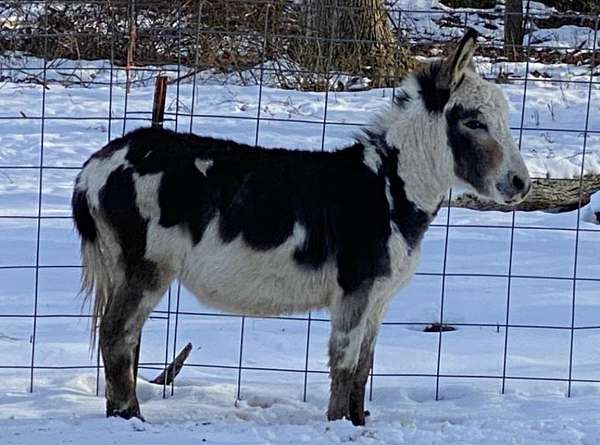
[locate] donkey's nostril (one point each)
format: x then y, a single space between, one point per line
518 183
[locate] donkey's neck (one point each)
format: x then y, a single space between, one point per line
419 141
424 161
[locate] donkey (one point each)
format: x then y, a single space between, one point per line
273 231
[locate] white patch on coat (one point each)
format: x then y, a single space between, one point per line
203 165
372 159
353 341
388 195
234 277
164 245
94 175
146 194
425 162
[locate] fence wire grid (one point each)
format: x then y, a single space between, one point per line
48 173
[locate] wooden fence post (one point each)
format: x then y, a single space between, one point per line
158 106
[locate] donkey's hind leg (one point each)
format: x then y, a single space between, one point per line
120 330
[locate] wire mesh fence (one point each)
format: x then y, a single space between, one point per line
477 270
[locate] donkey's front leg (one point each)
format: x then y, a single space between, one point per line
120 330
356 408
347 332
374 315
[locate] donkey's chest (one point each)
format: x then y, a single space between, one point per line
403 264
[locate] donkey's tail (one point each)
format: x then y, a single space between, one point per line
96 284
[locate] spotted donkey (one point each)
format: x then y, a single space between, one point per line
273 231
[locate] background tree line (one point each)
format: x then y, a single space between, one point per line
304 41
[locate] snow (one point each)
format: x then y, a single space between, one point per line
545 300
590 212
205 415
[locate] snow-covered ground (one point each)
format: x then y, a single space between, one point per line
204 413
64 407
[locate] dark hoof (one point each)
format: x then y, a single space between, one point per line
359 420
335 416
127 413
356 420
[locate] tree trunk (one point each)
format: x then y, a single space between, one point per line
355 37
513 28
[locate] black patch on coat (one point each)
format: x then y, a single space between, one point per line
411 221
118 203
470 33
471 162
182 196
458 112
261 194
434 98
81 215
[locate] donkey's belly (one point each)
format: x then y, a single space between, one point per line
233 277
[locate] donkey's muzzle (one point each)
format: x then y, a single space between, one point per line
515 188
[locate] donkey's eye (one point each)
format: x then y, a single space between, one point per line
476 125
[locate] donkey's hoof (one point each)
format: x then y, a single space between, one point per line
334 415
359 420
125 413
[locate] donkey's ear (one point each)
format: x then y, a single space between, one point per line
461 59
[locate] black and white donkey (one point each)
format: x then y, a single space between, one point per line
274 231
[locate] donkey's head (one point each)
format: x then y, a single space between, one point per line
485 156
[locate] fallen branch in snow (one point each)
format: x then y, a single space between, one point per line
168 375
549 195
439 327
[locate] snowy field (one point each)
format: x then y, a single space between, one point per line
546 296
